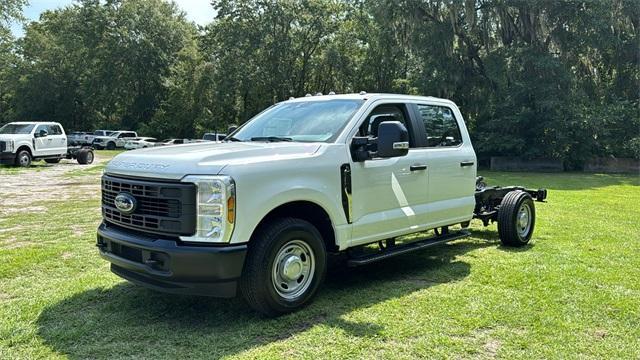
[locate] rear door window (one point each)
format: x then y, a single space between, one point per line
55 130
440 125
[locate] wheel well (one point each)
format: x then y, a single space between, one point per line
308 211
24 147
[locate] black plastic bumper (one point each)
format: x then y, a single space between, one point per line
7 158
167 266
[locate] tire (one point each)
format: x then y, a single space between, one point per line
516 218
23 158
270 286
52 161
111 145
85 156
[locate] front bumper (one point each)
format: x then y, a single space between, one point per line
167 266
7 158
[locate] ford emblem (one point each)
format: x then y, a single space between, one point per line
125 203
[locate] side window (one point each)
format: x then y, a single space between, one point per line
55 130
42 127
441 126
386 112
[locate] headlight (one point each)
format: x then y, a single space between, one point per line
216 208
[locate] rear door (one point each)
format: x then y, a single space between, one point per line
58 139
451 161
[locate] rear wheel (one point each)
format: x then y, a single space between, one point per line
23 158
284 267
85 156
516 218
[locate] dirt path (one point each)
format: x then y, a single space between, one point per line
26 190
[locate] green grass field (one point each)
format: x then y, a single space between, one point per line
574 292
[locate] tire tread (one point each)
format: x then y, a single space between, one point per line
253 276
506 225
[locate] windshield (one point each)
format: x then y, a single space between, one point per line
17 129
307 121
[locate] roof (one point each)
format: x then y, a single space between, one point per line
34 122
366 96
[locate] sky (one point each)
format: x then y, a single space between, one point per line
198 11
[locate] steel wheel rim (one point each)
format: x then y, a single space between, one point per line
24 160
89 158
523 220
293 269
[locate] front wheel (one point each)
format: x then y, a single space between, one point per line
111 145
285 266
23 159
516 218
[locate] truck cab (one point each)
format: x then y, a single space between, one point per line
260 212
113 140
23 142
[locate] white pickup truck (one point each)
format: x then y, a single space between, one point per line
304 179
23 142
113 140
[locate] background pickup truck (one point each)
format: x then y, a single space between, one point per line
114 140
23 142
313 177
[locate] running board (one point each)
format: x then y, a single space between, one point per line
406 248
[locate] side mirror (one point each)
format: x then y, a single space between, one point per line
41 133
393 139
232 128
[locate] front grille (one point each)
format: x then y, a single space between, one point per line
3 146
162 208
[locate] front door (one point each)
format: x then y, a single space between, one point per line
388 195
43 145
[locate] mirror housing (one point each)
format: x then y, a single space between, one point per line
41 133
393 139
231 129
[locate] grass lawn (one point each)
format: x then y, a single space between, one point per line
574 292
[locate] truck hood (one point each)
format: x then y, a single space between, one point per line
209 158
15 137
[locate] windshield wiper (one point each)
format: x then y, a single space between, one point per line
271 138
231 138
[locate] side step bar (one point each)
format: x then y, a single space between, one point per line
407 248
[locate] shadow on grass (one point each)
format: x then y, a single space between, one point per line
493 236
129 321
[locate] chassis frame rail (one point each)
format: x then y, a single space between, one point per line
488 200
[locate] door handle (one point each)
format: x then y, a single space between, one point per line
466 163
418 167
